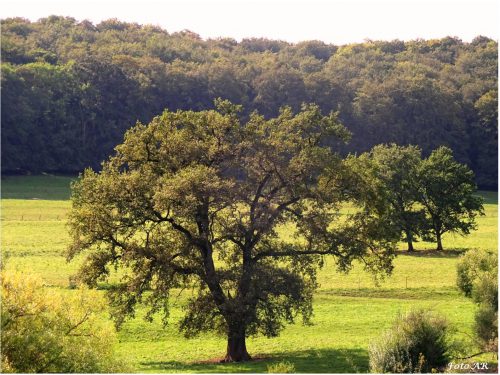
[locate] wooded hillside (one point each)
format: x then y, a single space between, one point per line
70 89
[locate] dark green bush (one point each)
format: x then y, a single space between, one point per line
485 289
417 342
486 328
477 277
472 267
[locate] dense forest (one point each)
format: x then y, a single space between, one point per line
70 89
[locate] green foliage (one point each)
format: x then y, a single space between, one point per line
43 331
477 277
447 194
416 343
409 107
486 328
73 88
283 367
389 187
474 270
194 200
414 197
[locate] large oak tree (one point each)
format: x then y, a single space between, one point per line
197 199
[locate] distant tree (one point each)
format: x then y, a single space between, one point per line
195 200
42 120
409 106
315 48
223 81
484 137
262 45
447 193
42 331
390 178
282 85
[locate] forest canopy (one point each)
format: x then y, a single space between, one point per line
71 89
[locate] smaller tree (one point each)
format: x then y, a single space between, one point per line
447 194
388 176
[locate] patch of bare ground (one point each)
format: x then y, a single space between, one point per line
212 361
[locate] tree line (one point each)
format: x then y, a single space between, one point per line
71 89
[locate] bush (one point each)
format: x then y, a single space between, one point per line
473 267
282 367
477 277
417 342
485 290
486 328
44 331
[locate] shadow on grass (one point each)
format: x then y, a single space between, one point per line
490 197
419 293
41 187
305 361
451 253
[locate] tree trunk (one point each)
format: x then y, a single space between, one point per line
439 243
236 347
410 246
409 240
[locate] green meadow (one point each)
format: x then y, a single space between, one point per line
349 310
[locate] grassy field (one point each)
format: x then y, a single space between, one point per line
349 309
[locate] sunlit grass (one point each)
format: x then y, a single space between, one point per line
349 309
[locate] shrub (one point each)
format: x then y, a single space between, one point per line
417 342
282 367
477 277
44 331
486 328
474 266
485 289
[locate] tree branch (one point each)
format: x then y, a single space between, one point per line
258 194
83 320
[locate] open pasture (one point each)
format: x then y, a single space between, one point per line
349 310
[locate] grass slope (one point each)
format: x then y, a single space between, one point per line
349 310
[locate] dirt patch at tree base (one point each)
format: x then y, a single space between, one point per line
219 360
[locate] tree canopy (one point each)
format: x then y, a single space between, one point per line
390 178
417 197
447 194
73 89
196 200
